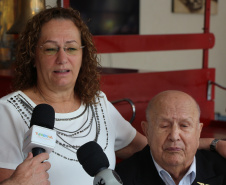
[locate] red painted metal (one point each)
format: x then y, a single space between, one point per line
66 3
136 43
207 16
5 82
206 31
141 87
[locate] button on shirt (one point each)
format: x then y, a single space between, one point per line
188 178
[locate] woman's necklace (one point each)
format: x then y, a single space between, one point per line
82 133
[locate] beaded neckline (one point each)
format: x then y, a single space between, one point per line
92 121
94 118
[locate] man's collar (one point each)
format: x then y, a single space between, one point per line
164 174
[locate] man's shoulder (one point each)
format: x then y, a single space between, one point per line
136 170
210 167
212 159
132 169
134 160
206 154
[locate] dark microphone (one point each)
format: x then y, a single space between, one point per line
40 137
95 162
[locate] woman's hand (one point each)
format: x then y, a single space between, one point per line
33 171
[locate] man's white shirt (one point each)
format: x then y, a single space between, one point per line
188 178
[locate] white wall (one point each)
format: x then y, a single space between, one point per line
51 3
156 17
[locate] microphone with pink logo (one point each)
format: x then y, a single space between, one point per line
41 137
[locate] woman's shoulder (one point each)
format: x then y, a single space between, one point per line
101 93
9 96
101 96
16 98
8 101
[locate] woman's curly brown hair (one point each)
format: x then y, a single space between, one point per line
87 85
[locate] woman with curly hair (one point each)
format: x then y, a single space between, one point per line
56 64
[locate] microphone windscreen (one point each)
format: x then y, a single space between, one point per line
92 158
43 115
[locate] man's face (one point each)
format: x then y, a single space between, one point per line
174 131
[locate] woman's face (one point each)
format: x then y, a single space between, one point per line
58 55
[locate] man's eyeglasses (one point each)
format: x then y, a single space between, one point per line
52 49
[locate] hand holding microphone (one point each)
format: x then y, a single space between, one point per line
40 140
95 162
32 171
41 137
